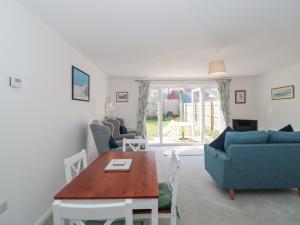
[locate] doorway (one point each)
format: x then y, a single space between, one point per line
183 115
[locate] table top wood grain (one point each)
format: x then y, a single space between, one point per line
95 183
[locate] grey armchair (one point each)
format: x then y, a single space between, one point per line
116 130
101 134
111 127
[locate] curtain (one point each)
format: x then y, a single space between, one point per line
223 88
144 87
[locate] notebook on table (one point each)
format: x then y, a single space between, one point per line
119 165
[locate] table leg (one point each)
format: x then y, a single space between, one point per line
57 220
154 212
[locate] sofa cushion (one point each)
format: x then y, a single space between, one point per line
284 137
287 128
248 137
218 143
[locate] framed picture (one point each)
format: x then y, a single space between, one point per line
121 96
240 97
286 92
80 85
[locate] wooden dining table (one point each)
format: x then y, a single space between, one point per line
94 185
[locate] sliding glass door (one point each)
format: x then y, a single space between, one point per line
213 121
182 115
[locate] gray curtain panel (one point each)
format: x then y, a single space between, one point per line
223 88
144 87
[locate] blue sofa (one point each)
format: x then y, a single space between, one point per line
256 160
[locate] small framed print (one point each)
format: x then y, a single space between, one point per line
286 92
80 85
240 97
122 96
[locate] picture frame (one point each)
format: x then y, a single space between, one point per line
240 97
284 92
122 96
80 85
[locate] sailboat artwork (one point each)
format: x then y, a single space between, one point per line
80 85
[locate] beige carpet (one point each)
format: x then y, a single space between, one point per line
201 202
185 150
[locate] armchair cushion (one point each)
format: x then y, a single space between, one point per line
112 143
116 125
119 142
123 129
128 136
218 143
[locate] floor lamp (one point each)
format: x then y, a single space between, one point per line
108 106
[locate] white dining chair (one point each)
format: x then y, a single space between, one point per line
135 144
167 202
93 214
75 164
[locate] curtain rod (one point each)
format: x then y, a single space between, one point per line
212 79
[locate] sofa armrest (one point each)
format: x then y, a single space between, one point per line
215 153
216 164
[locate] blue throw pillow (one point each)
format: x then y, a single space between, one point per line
287 128
113 143
123 129
218 143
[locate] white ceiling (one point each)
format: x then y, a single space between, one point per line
177 38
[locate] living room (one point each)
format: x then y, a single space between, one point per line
72 69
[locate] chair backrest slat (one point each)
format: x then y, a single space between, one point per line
105 212
173 180
135 144
174 167
75 164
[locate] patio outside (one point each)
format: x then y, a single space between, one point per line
177 110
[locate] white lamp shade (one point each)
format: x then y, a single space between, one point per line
216 67
109 107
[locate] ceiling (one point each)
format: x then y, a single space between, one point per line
177 38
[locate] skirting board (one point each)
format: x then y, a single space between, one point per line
42 220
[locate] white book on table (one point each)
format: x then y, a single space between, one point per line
119 165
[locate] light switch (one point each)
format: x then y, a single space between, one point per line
3 206
15 82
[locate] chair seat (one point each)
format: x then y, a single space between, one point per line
163 188
120 222
165 196
164 201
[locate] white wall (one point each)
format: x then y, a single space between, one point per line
39 124
125 110
250 110
277 113
238 111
